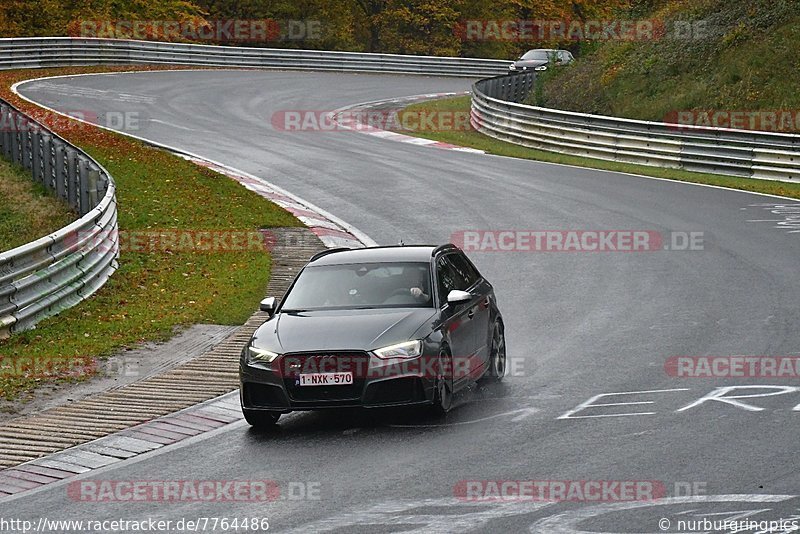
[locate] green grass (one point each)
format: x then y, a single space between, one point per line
474 139
27 212
153 292
744 59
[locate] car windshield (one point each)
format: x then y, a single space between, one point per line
361 285
543 55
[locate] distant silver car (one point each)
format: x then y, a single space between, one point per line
539 59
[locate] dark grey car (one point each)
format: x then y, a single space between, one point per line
374 327
539 59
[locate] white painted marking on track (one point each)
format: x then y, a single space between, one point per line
569 522
721 395
790 213
96 94
178 126
590 404
421 516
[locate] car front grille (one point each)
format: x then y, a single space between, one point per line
293 365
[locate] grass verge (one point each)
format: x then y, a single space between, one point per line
28 211
474 139
737 56
155 290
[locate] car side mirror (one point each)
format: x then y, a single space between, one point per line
268 305
456 297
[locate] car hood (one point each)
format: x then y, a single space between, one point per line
342 329
530 63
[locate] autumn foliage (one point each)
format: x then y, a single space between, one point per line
392 26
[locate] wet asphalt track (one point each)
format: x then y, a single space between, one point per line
578 325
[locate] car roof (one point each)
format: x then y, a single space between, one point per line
399 253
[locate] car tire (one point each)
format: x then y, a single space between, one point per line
261 418
443 396
497 358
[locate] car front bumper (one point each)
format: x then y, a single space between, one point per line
377 383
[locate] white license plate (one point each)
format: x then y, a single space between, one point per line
326 379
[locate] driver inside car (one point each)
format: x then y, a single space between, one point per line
415 279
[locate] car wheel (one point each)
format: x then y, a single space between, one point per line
443 397
261 418
497 360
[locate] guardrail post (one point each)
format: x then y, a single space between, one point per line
83 187
5 131
47 161
92 181
36 156
72 177
60 176
15 139
27 146
530 79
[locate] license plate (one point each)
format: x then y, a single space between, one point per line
326 379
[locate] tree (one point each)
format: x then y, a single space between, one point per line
373 11
420 27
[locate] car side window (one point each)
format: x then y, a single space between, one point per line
446 278
468 275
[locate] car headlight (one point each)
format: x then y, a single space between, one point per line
512 67
260 355
541 67
408 349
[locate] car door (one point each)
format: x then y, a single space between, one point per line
457 322
479 307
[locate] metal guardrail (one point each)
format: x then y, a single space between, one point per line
42 52
497 112
41 278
